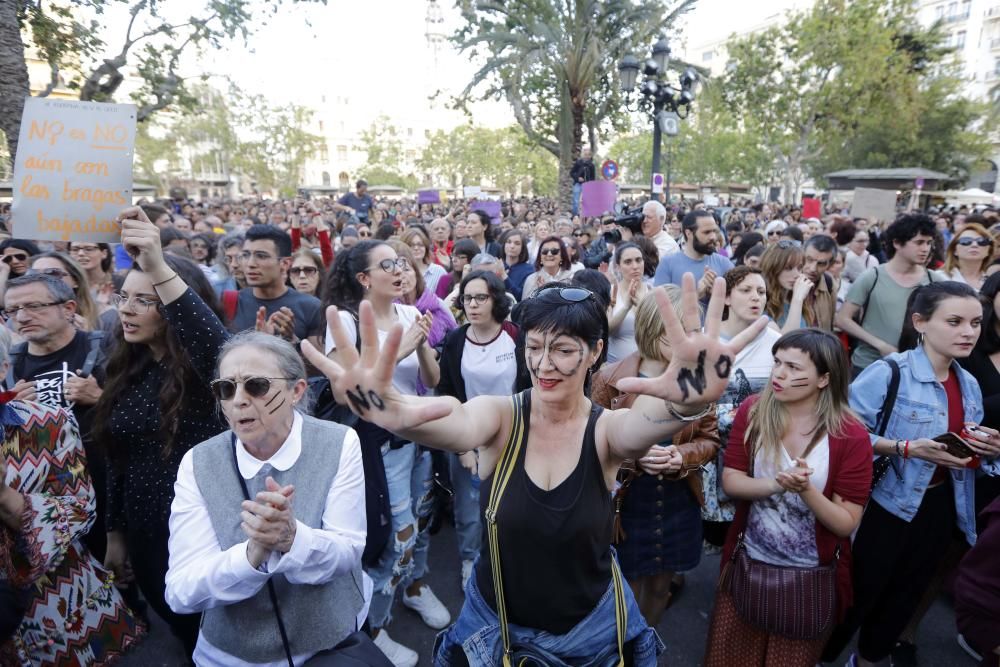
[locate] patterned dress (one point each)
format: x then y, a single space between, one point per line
75 616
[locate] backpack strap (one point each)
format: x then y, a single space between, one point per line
14 358
868 297
890 397
230 299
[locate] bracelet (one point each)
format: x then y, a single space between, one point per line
164 282
684 418
899 452
906 450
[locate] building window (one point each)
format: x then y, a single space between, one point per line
427 134
324 153
409 131
326 178
960 39
707 55
341 152
952 8
411 155
321 126
939 12
966 8
344 180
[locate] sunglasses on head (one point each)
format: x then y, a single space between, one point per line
53 272
256 387
979 241
785 244
570 294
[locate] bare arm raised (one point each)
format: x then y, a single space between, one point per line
364 383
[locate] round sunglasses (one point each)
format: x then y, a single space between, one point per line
256 387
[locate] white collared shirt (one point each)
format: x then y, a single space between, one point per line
202 575
665 243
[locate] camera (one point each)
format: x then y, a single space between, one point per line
631 220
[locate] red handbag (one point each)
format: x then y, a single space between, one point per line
792 602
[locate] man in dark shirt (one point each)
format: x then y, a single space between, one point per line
357 204
267 300
583 170
58 366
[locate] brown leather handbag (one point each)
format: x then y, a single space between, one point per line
792 602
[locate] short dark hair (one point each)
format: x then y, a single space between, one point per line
793 232
822 243
282 242
905 229
690 221
361 182
495 286
465 247
154 212
564 260
989 340
596 282
169 234
21 244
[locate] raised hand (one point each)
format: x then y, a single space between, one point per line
141 239
700 363
363 382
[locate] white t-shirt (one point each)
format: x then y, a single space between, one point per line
404 378
489 369
781 529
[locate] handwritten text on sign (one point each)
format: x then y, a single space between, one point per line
73 170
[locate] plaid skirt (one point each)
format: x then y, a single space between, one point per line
662 523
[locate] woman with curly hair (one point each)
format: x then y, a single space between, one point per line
156 405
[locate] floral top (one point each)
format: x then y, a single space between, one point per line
75 616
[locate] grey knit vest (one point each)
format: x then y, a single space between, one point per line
316 617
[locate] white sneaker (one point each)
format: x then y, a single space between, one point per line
398 655
426 604
466 571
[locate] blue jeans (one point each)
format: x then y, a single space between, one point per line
468 523
476 633
398 561
422 493
577 190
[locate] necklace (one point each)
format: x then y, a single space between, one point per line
482 344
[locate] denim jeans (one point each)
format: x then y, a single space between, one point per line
422 493
476 633
577 190
396 562
468 523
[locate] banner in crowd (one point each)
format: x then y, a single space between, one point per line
811 208
428 197
73 170
598 198
873 204
489 207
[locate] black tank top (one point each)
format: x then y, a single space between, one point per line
554 545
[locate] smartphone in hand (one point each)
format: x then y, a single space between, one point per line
958 447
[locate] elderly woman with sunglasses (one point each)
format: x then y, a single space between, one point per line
156 405
546 583
275 580
969 255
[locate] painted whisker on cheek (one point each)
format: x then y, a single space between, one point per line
277 407
276 395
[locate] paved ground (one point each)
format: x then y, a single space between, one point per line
683 627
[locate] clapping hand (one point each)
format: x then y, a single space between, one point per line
659 460
700 363
796 478
364 381
268 521
415 336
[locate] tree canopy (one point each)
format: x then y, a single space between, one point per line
555 63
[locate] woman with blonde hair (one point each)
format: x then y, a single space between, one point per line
65 268
788 289
969 255
799 466
658 503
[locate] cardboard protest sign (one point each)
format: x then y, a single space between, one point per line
490 208
428 197
597 198
872 204
73 170
810 207
472 191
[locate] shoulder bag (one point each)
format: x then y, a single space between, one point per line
519 655
881 464
792 602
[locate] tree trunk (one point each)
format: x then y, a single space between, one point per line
14 83
569 145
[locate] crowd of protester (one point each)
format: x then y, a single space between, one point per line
241 417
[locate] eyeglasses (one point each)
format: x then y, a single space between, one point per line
303 270
979 241
550 251
785 244
255 387
467 299
85 248
389 265
19 256
258 255
139 304
570 294
53 272
11 313
578 234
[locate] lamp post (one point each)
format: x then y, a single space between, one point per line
667 104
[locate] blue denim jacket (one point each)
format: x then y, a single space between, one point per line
921 411
477 632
